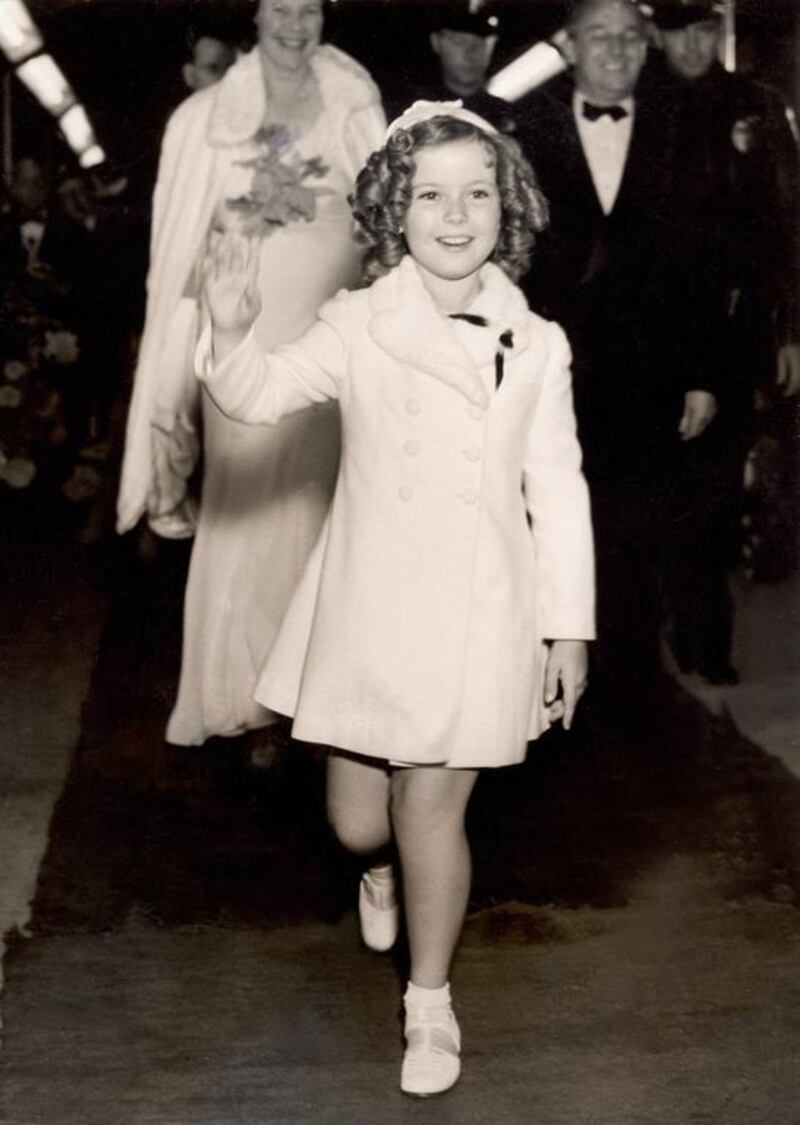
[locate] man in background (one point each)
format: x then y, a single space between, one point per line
210 57
463 43
617 270
739 184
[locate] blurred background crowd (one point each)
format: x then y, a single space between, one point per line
723 81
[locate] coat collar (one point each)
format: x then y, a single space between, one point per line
406 324
240 97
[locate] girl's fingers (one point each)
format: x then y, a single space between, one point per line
555 711
233 253
570 700
255 262
251 269
242 256
550 682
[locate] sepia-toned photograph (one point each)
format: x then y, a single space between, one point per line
399 562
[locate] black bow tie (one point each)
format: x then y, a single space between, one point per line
594 112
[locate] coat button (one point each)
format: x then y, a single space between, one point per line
405 493
473 453
411 447
469 496
476 412
413 406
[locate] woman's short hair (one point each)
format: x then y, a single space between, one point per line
383 193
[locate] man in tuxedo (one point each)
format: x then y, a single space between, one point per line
618 271
42 255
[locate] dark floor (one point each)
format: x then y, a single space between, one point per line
630 955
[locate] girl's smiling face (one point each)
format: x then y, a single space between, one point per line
453 220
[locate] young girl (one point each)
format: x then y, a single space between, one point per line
441 622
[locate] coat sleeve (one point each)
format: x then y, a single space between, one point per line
260 388
163 193
557 500
171 251
161 439
363 122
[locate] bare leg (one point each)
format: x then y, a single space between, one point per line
358 804
428 808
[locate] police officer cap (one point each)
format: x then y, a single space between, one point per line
459 17
673 14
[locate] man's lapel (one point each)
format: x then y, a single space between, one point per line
575 176
647 173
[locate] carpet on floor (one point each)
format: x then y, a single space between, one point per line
199 836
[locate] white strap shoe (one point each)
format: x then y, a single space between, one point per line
378 912
431 1063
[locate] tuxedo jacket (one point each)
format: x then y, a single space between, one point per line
633 289
59 292
63 246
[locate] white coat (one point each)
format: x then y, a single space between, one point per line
459 538
201 142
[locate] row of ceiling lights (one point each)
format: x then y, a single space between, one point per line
23 46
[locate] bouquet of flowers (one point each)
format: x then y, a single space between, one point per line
279 193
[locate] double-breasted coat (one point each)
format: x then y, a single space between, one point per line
459 538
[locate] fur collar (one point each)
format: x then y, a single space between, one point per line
406 324
240 98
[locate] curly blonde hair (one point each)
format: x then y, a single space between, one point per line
383 193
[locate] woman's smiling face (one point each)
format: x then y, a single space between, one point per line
289 31
453 220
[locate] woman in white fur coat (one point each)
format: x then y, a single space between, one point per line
272 150
442 618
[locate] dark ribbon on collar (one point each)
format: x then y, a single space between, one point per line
594 112
506 340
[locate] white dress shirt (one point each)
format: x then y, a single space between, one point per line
605 145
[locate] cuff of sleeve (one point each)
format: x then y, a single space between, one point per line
204 365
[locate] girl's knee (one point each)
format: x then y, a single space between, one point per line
359 835
423 803
359 840
358 812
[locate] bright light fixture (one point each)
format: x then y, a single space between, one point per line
45 80
19 35
92 157
539 63
77 129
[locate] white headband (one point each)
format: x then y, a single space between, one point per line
424 111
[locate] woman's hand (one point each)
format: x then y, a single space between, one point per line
230 290
567 666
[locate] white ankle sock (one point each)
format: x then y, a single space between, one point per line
418 997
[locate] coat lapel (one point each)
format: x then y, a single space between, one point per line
574 175
407 325
650 160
